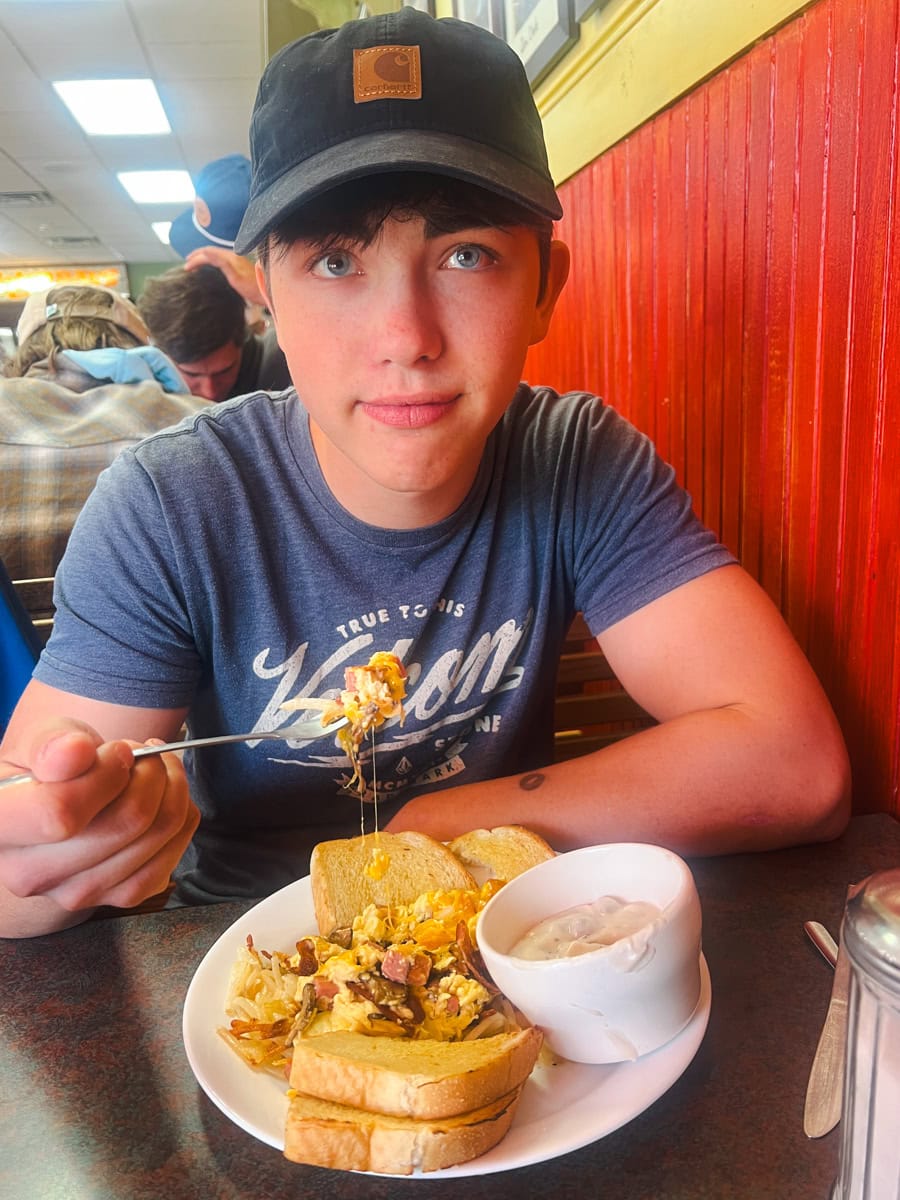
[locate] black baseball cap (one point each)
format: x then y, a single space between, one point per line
402 91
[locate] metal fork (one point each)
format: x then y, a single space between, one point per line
303 731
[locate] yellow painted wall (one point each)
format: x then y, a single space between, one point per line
634 57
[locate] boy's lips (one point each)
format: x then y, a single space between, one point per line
409 412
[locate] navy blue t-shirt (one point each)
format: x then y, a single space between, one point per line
213 568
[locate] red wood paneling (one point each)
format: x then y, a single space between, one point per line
736 293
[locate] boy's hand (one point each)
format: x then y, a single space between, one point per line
98 827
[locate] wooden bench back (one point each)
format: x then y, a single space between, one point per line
592 708
36 597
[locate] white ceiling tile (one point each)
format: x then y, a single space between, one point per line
33 95
14 239
205 143
181 97
161 153
29 138
220 60
206 57
199 21
49 221
13 178
75 40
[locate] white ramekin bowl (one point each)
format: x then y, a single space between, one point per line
617 1002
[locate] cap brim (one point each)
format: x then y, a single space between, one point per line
395 150
184 235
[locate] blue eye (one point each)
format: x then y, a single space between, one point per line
334 265
469 258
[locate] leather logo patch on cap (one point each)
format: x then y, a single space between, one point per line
387 73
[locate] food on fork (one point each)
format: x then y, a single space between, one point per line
373 694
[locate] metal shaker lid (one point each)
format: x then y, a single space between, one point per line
872 926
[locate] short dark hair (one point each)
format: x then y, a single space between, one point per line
191 314
359 209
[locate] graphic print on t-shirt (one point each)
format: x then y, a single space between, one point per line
449 697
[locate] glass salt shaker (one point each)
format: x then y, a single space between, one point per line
869 1166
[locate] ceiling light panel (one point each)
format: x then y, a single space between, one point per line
104 107
158 187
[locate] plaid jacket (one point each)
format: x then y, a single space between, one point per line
57 433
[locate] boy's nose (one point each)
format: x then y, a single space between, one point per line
410 330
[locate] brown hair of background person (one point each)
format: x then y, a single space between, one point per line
199 320
192 313
71 328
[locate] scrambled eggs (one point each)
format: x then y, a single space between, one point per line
411 970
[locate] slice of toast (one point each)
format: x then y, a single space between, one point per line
500 853
325 1134
341 888
413 1077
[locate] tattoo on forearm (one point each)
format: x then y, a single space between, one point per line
529 782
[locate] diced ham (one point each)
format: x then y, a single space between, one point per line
395 965
403 968
326 989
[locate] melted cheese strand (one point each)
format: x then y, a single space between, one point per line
374 785
379 860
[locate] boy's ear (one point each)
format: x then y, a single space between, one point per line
557 274
263 284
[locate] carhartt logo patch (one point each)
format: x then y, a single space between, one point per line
387 73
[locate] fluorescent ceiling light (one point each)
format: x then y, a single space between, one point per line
158 187
161 229
114 106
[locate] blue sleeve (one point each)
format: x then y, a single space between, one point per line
636 536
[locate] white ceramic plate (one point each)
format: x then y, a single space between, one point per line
562 1107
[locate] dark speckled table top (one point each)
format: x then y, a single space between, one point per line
98 1102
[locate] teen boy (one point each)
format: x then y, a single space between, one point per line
413 496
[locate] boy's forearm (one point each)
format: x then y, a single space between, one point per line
712 782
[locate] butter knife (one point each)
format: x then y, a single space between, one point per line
822 940
825 1090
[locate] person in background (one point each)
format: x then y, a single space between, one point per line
204 234
82 384
410 495
199 321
